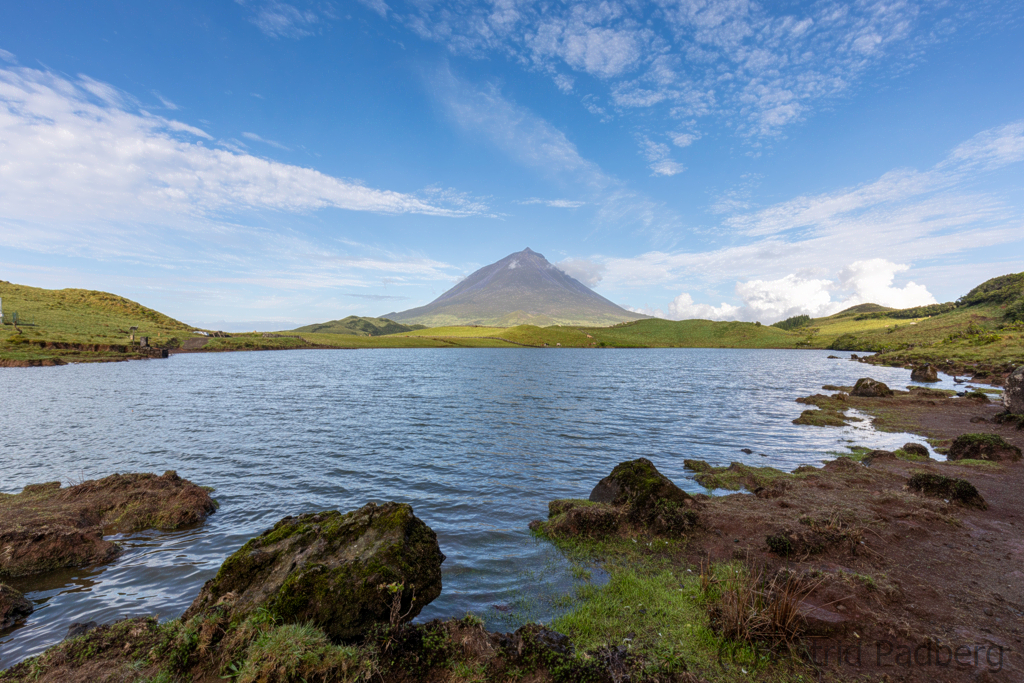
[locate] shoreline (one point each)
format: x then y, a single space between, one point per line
856 549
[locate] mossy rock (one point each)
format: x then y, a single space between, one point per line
647 497
822 418
13 606
916 449
983 447
870 388
341 572
956 490
924 373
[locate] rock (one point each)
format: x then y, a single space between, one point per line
747 451
955 490
916 449
46 527
924 373
80 629
833 357
1013 392
13 606
697 465
870 388
983 447
871 456
344 572
819 621
574 518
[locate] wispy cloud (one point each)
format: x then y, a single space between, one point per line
285 20
535 143
272 143
554 203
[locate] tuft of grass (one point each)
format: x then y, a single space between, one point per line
293 652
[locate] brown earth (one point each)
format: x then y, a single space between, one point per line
919 588
47 527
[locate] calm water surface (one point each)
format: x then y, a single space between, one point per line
476 440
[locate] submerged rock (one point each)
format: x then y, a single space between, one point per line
342 572
870 388
13 606
956 490
983 447
1013 392
924 373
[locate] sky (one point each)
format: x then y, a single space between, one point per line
263 164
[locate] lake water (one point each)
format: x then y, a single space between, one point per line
476 440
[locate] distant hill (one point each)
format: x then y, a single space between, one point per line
359 326
522 288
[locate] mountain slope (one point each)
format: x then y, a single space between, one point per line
522 288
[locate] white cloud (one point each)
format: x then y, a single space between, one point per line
564 83
283 20
378 6
769 301
759 67
683 308
684 139
8 57
588 272
658 155
82 151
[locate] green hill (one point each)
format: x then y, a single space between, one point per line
362 327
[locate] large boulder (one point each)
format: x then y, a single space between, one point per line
13 606
1013 392
924 373
957 490
983 447
870 388
343 572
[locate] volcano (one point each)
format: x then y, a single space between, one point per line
522 288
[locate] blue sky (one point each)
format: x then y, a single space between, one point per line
266 162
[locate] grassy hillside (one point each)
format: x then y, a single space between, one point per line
75 317
359 326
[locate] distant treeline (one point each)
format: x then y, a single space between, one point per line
793 323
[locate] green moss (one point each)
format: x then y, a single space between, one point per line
956 490
294 652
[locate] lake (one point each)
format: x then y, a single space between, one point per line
476 440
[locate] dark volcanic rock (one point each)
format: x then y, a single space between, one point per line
870 388
1013 392
957 490
80 629
924 373
343 572
983 447
13 606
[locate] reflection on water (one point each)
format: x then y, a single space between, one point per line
476 440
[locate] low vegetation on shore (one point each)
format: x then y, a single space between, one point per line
980 335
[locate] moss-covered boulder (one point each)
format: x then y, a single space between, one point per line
956 490
341 572
13 606
924 373
916 449
983 447
1013 392
647 497
870 388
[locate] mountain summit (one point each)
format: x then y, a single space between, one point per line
522 288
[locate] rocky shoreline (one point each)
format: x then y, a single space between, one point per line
878 566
